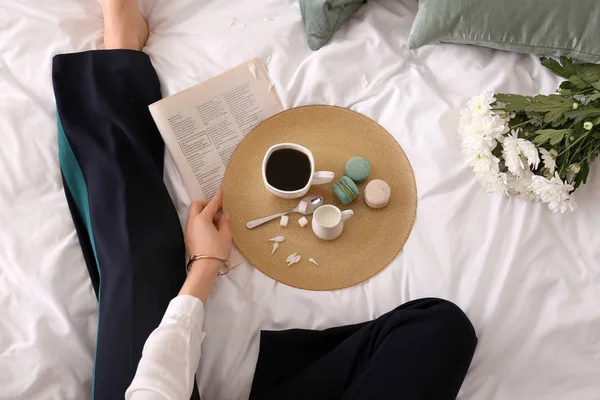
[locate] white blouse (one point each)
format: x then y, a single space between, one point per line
171 354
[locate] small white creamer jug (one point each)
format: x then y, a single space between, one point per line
328 221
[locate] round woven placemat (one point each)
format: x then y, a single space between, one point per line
371 238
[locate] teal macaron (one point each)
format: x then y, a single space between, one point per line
357 169
345 189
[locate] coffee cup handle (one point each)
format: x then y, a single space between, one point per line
346 214
322 177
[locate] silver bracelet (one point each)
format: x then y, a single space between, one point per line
205 257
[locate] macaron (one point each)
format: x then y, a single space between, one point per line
377 194
357 169
345 190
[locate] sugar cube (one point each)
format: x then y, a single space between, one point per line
284 220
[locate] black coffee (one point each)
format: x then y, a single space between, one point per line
288 169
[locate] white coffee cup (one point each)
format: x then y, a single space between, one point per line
328 221
315 178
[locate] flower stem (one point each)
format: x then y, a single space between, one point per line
591 153
522 123
578 149
573 144
585 91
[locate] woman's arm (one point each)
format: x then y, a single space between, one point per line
172 352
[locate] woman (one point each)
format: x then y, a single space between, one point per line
111 159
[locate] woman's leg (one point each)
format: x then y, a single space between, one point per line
111 158
420 350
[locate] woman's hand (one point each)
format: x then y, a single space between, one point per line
208 233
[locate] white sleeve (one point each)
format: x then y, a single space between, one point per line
171 354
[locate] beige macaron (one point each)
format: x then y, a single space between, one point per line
377 194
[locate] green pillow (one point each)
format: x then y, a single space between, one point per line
552 27
324 17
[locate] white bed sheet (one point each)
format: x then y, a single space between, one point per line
528 279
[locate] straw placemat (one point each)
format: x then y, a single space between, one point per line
371 238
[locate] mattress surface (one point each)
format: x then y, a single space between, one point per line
528 279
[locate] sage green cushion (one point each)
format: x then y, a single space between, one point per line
551 27
323 18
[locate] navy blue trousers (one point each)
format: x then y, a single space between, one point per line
419 351
111 157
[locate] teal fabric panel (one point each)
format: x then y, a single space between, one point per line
76 184
323 18
547 27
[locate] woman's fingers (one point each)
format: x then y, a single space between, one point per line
223 225
197 206
213 206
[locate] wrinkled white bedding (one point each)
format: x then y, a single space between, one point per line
528 279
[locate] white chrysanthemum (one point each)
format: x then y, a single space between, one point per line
486 125
481 133
549 158
511 156
494 182
554 192
474 146
514 150
484 163
521 186
481 104
482 129
530 152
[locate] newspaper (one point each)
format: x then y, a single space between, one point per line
202 125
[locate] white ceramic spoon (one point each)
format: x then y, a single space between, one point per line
307 206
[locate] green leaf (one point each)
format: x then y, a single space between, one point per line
568 88
514 102
582 113
552 135
589 72
541 103
596 121
567 92
565 69
593 97
555 67
596 85
568 66
578 82
553 106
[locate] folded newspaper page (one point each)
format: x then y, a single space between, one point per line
202 125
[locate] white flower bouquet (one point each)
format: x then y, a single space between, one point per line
538 148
